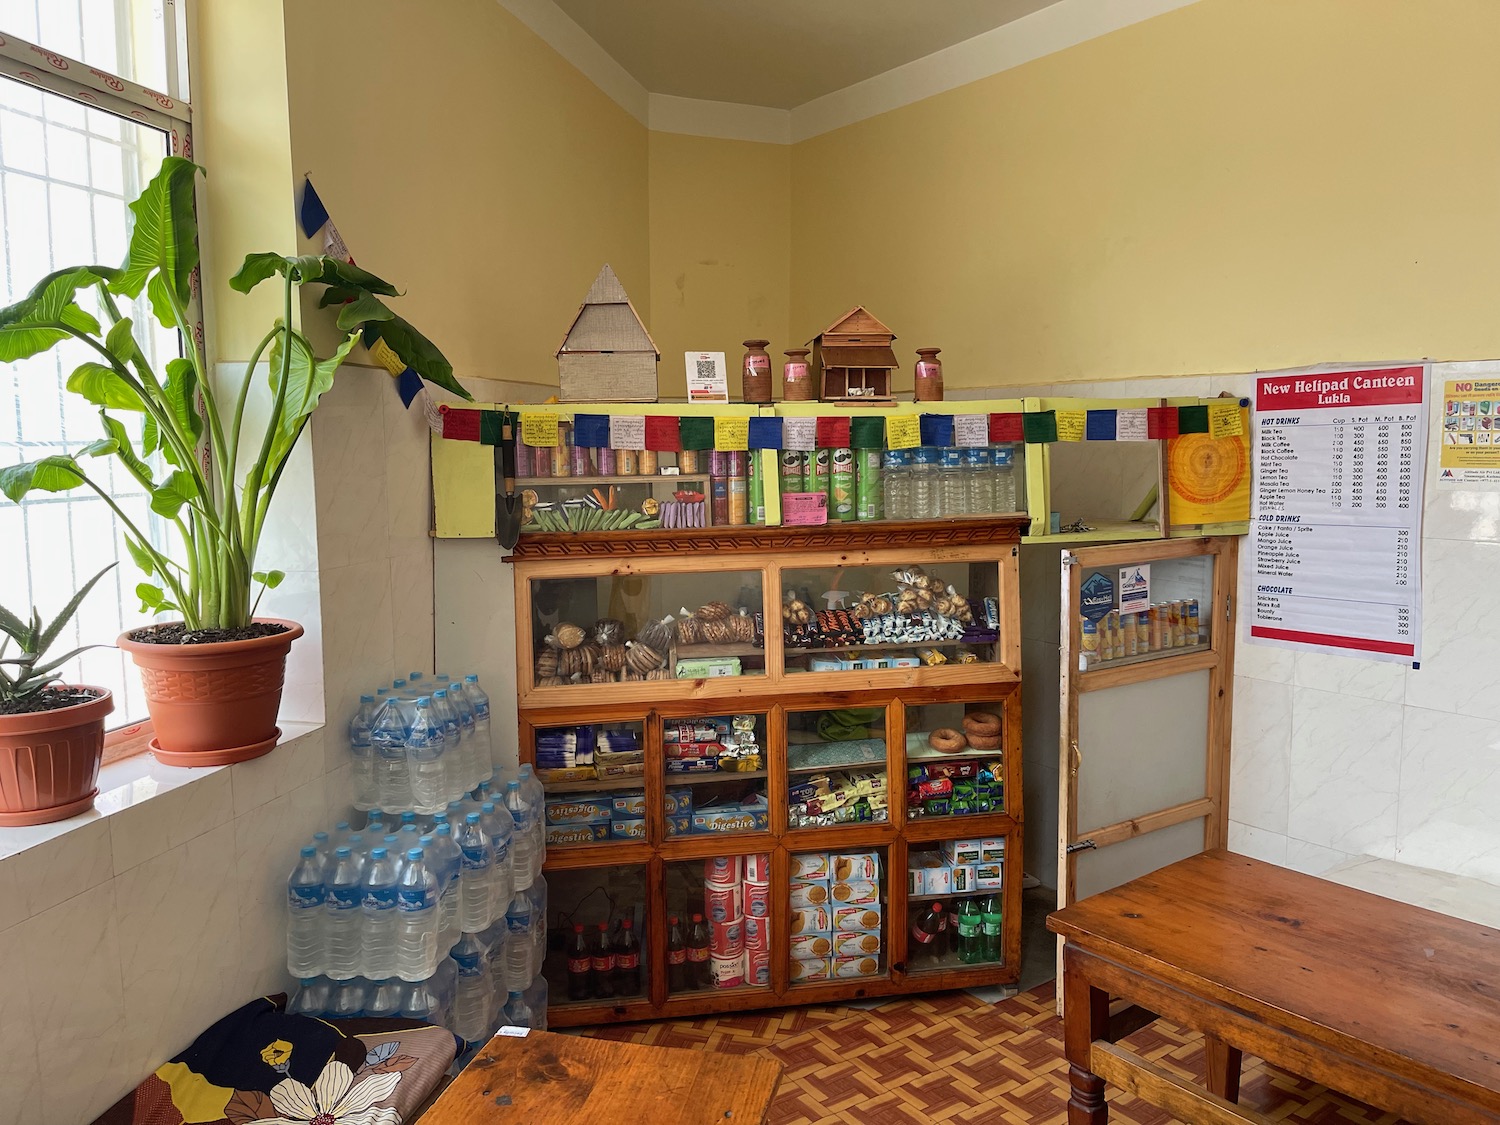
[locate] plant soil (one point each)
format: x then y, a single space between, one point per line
48 699
176 633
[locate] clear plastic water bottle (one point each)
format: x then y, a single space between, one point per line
1004 472
498 826
311 998
538 894
953 485
472 996
521 814
388 737
484 750
924 484
417 685
896 481
446 861
494 940
348 997
979 473
425 746
419 1001
517 1011
305 894
341 834
342 916
379 909
323 844
446 717
536 797
400 690
416 918
477 877
362 752
385 997
518 945
468 757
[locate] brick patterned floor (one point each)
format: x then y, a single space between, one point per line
952 1059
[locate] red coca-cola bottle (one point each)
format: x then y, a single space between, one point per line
677 966
604 964
697 950
930 929
627 960
580 965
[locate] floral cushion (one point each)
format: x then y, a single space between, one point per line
259 1064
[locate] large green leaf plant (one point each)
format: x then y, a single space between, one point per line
216 503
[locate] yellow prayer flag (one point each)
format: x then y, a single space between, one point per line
731 434
382 354
1071 424
539 430
1224 419
903 431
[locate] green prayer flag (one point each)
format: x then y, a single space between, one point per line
1192 419
867 433
491 427
696 433
1040 427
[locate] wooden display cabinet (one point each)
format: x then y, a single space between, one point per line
853 725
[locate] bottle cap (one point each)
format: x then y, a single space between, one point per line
471 679
414 676
424 701
308 852
307 982
443 828
356 840
578 927
378 853
487 807
626 924
697 917
321 837
341 826
398 684
425 841
603 926
343 853
937 908
472 818
367 698
415 853
408 817
441 676
440 694
389 839
512 785
515 995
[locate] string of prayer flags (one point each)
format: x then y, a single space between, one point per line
1006 427
800 434
765 433
833 432
903 431
867 433
1071 425
696 433
592 431
662 434
731 434
937 429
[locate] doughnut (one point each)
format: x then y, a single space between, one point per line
946 740
984 742
984 723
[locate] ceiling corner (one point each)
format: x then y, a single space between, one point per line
558 30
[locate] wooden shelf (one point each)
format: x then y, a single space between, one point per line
1104 531
732 648
707 777
609 783
557 482
885 646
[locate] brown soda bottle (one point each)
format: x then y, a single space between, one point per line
677 966
604 964
580 965
627 960
698 968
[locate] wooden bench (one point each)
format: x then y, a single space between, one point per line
548 1079
1392 1004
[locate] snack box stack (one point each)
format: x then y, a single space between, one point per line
714 743
962 867
591 817
840 797
836 914
737 904
584 753
959 787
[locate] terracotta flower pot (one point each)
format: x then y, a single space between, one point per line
213 704
49 761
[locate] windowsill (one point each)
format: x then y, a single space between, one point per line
126 784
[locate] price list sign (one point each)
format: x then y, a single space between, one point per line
1336 513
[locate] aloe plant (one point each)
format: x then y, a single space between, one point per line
23 678
217 504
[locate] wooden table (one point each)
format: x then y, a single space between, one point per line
548 1079
1391 1004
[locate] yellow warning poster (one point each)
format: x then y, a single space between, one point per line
1209 477
1469 456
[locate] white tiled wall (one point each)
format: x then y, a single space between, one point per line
122 940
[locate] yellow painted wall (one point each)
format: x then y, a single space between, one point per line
720 221
468 163
240 132
1238 184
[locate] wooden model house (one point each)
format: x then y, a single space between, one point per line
607 355
854 358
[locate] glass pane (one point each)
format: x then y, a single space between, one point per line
590 958
718 923
954 904
624 628
716 774
593 776
835 764
1145 611
837 907
902 484
123 37
859 618
955 759
63 202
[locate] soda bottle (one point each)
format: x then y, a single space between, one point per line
697 947
929 930
993 908
970 932
627 960
677 967
604 963
580 964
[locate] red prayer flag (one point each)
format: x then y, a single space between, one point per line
833 432
460 425
662 433
1006 427
1161 422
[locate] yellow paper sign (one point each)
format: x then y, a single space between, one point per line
1071 424
1224 419
731 434
903 431
382 354
539 430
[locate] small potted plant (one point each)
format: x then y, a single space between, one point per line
51 735
214 677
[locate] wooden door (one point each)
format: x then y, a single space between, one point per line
1144 725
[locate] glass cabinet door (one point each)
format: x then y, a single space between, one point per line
955 754
596 935
955 904
836 767
716 774
837 915
594 778
719 924
1144 611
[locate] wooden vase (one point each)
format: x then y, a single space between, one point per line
796 377
928 383
755 372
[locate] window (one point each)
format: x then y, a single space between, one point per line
89 105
